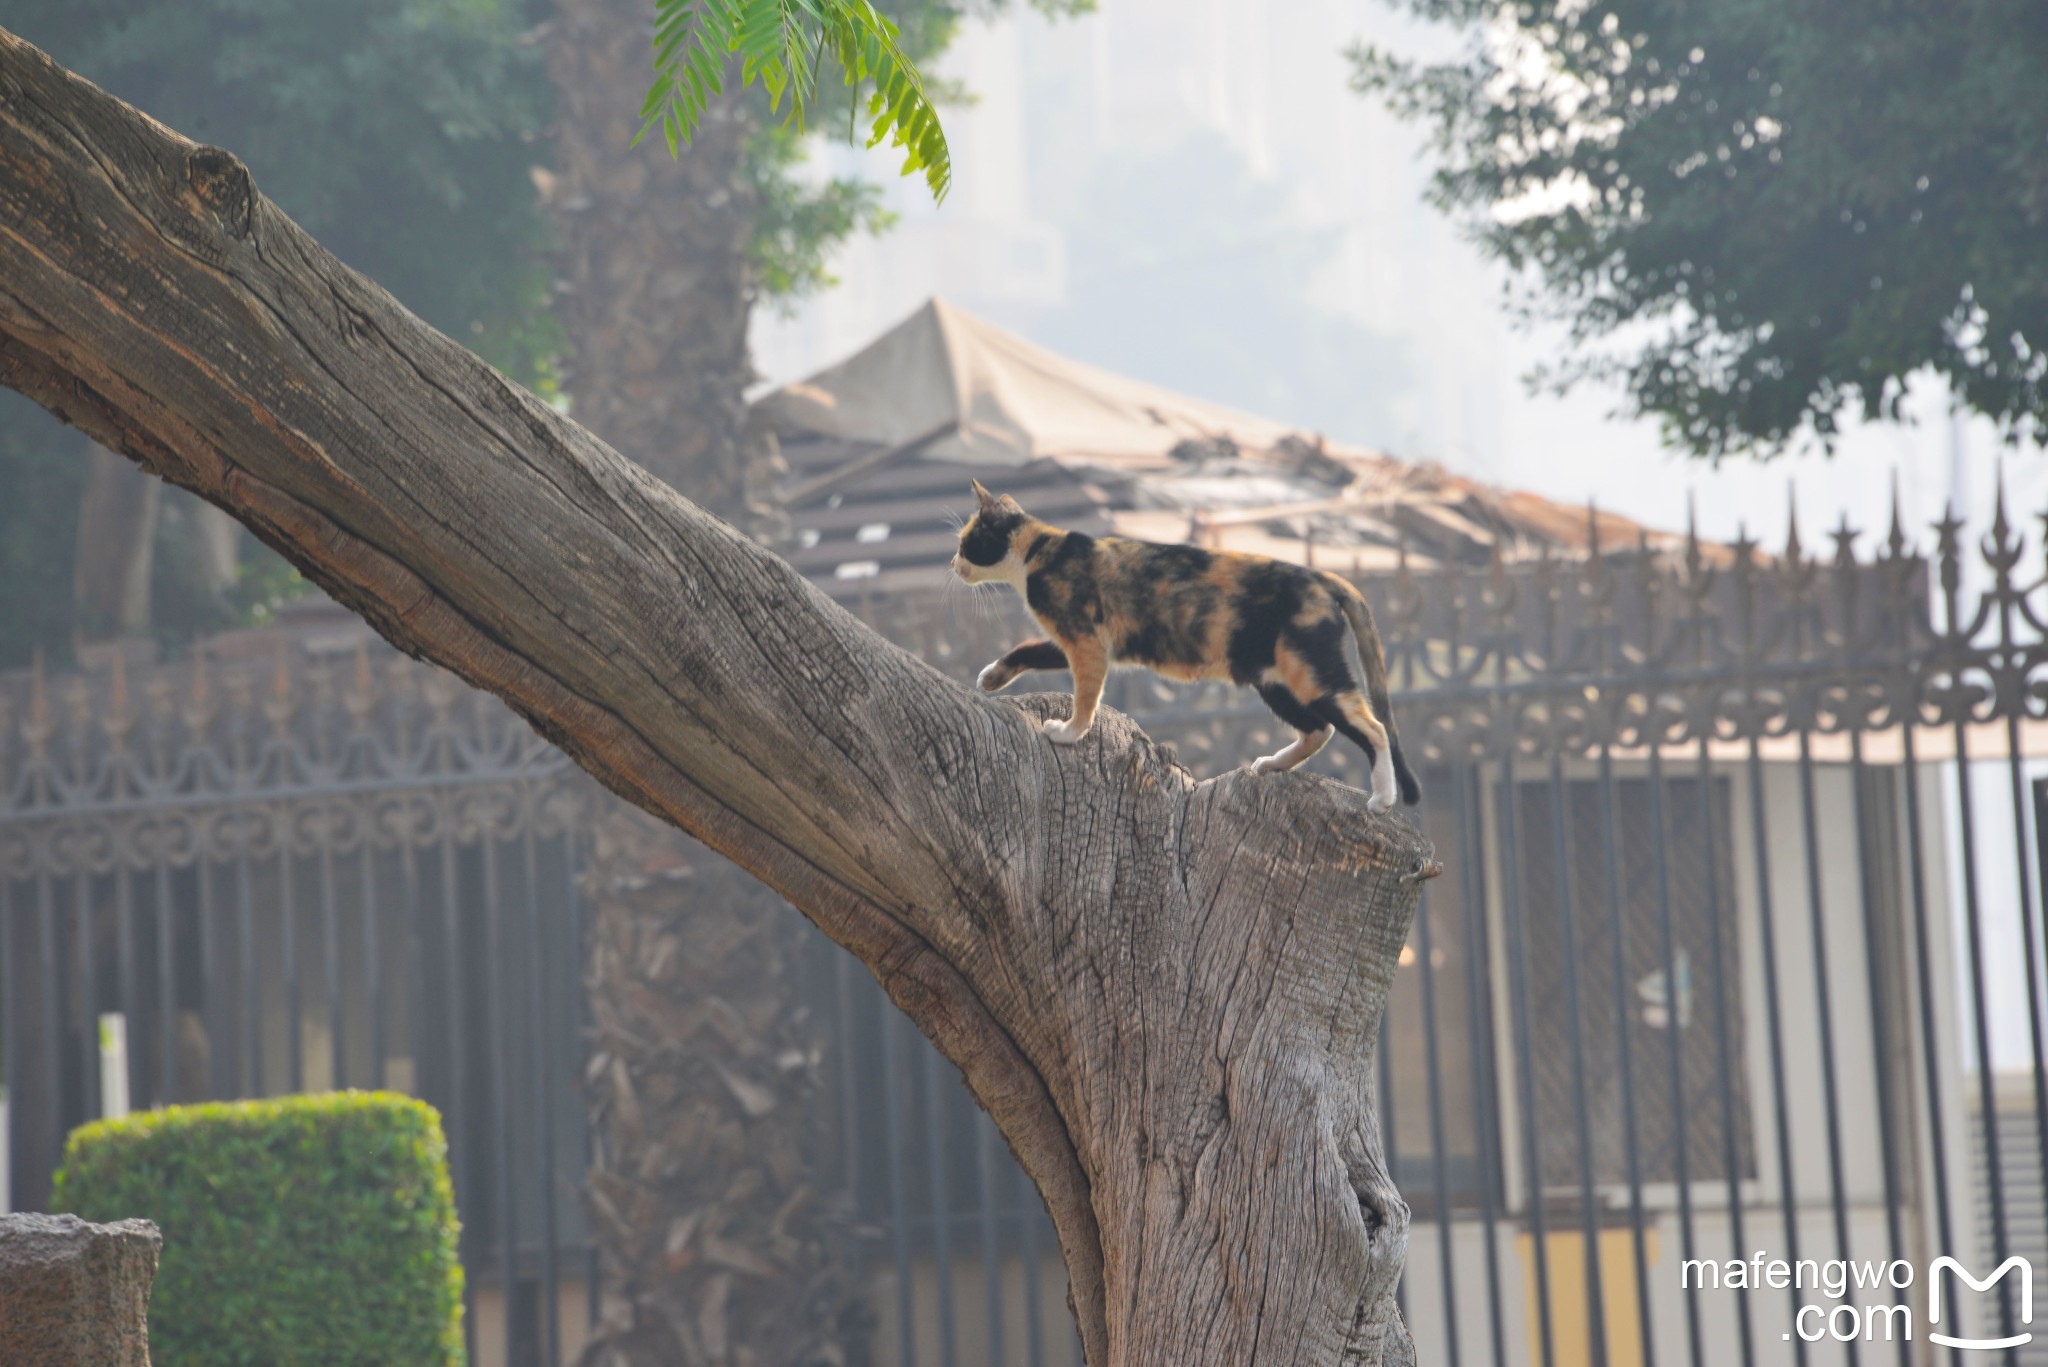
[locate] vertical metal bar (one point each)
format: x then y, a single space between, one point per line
942 1206
167 988
1986 1081
1567 917
1823 1006
373 958
2030 945
1466 792
250 990
991 1264
330 962
1724 1069
1610 858
493 980
1525 1063
1880 1028
579 931
11 1027
210 1014
1923 962
412 964
129 972
540 1032
1680 1134
1767 939
294 1003
899 1215
88 999
1438 1140
53 1022
459 1137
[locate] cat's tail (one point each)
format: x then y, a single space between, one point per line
1372 665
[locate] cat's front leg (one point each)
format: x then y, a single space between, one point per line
1090 663
1038 654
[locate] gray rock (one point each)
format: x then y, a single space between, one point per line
74 1294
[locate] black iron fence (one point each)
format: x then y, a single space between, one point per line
320 867
1736 959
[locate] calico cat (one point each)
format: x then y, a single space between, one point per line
1304 639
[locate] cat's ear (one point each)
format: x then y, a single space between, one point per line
984 498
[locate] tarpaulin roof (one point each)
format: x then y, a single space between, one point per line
882 445
1007 400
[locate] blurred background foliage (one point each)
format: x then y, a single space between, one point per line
1759 217
398 132
406 136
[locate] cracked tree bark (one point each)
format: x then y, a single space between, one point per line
1165 992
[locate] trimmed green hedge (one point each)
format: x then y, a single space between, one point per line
309 1231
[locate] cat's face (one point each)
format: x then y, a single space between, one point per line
988 543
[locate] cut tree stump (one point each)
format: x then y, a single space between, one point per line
74 1294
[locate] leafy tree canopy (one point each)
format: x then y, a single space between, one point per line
402 132
1759 216
794 52
399 132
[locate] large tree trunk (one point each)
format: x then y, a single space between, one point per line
720 1244
117 517
658 283
657 291
1165 992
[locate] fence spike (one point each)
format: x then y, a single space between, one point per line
1948 543
199 699
38 702
117 693
2001 528
1896 541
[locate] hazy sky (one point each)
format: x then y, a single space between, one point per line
1403 300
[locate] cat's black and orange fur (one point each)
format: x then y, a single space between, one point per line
1304 639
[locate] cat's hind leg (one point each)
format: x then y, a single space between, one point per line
1289 756
1314 732
1351 714
1038 654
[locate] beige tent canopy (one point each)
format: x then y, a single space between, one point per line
1010 402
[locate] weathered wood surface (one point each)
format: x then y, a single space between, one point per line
76 1294
1165 992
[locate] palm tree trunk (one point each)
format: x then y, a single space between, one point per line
720 1241
715 1239
656 281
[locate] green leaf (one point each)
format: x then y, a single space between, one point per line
781 45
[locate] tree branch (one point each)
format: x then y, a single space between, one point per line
1166 993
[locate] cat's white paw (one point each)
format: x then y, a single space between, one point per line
992 678
1064 732
1384 791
